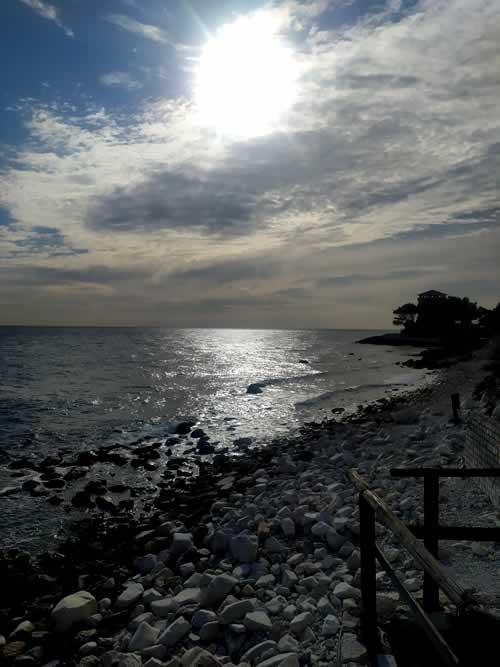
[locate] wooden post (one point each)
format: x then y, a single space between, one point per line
431 541
456 594
368 577
455 406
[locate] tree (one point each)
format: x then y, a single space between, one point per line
490 319
461 311
405 315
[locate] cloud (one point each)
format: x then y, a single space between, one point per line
49 12
381 181
42 241
120 80
243 269
44 276
215 202
145 30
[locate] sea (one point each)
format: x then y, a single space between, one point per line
84 388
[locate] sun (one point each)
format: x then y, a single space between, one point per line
246 78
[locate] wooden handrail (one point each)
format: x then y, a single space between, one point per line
455 593
446 654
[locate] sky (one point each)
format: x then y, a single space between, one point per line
340 158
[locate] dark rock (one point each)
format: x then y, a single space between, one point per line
76 473
242 442
97 487
8 490
13 649
255 388
51 461
205 448
23 462
184 427
105 503
39 492
87 458
82 499
55 484
30 484
55 500
126 504
119 488
305 456
176 463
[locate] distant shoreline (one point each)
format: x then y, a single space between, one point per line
398 339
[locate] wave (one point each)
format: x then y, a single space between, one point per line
327 395
257 387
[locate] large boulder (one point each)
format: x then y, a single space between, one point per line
73 609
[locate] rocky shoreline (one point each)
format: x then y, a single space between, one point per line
250 561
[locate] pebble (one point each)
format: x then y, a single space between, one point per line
145 636
162 608
330 626
22 631
256 651
258 621
412 584
176 631
181 542
281 660
480 549
217 590
352 649
202 617
301 622
145 564
188 596
288 526
130 596
244 547
235 611
344 590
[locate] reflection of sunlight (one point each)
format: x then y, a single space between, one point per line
246 78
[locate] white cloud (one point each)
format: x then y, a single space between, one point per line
144 29
48 12
120 80
388 164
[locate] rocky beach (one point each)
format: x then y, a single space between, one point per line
249 560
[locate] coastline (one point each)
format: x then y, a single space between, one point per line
300 515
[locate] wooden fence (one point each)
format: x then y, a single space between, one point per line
371 509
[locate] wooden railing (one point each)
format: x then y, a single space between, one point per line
432 531
371 509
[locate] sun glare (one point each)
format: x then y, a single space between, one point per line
246 78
